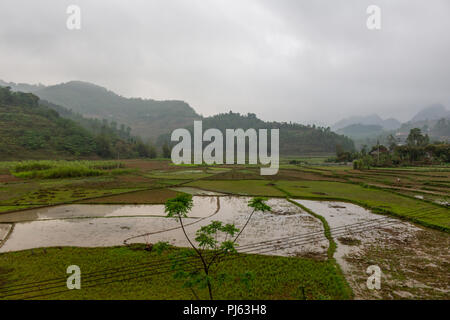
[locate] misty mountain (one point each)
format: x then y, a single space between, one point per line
157 119
29 130
147 118
373 119
433 120
433 112
391 124
295 139
22 87
361 131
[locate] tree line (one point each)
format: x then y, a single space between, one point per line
40 125
295 138
417 150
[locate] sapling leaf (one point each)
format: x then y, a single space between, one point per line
258 204
228 247
230 229
179 206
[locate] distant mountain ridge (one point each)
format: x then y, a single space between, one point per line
361 131
295 138
148 118
22 87
433 120
31 128
434 112
153 119
373 119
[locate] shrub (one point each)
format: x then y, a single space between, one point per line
65 169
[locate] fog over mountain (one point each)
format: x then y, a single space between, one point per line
372 125
283 60
373 119
149 118
433 112
93 106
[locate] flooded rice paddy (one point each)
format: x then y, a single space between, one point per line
4 230
353 227
287 230
414 260
107 225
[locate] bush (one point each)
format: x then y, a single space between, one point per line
65 169
30 166
57 173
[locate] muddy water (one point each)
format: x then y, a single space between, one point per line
98 225
202 208
356 225
4 229
107 225
413 260
285 220
94 225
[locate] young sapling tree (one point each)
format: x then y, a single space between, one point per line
215 242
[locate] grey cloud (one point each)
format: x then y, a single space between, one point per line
284 60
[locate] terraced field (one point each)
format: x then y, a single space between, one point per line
402 224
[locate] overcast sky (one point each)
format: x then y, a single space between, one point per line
305 61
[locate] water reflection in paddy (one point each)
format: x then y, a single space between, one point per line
4 230
202 208
111 224
359 225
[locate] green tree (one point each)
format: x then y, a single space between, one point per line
142 149
391 142
121 150
152 151
415 138
364 150
209 251
103 146
166 150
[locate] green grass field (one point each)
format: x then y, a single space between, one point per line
241 187
29 184
52 182
274 277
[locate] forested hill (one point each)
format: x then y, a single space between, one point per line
31 130
155 120
295 139
148 118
